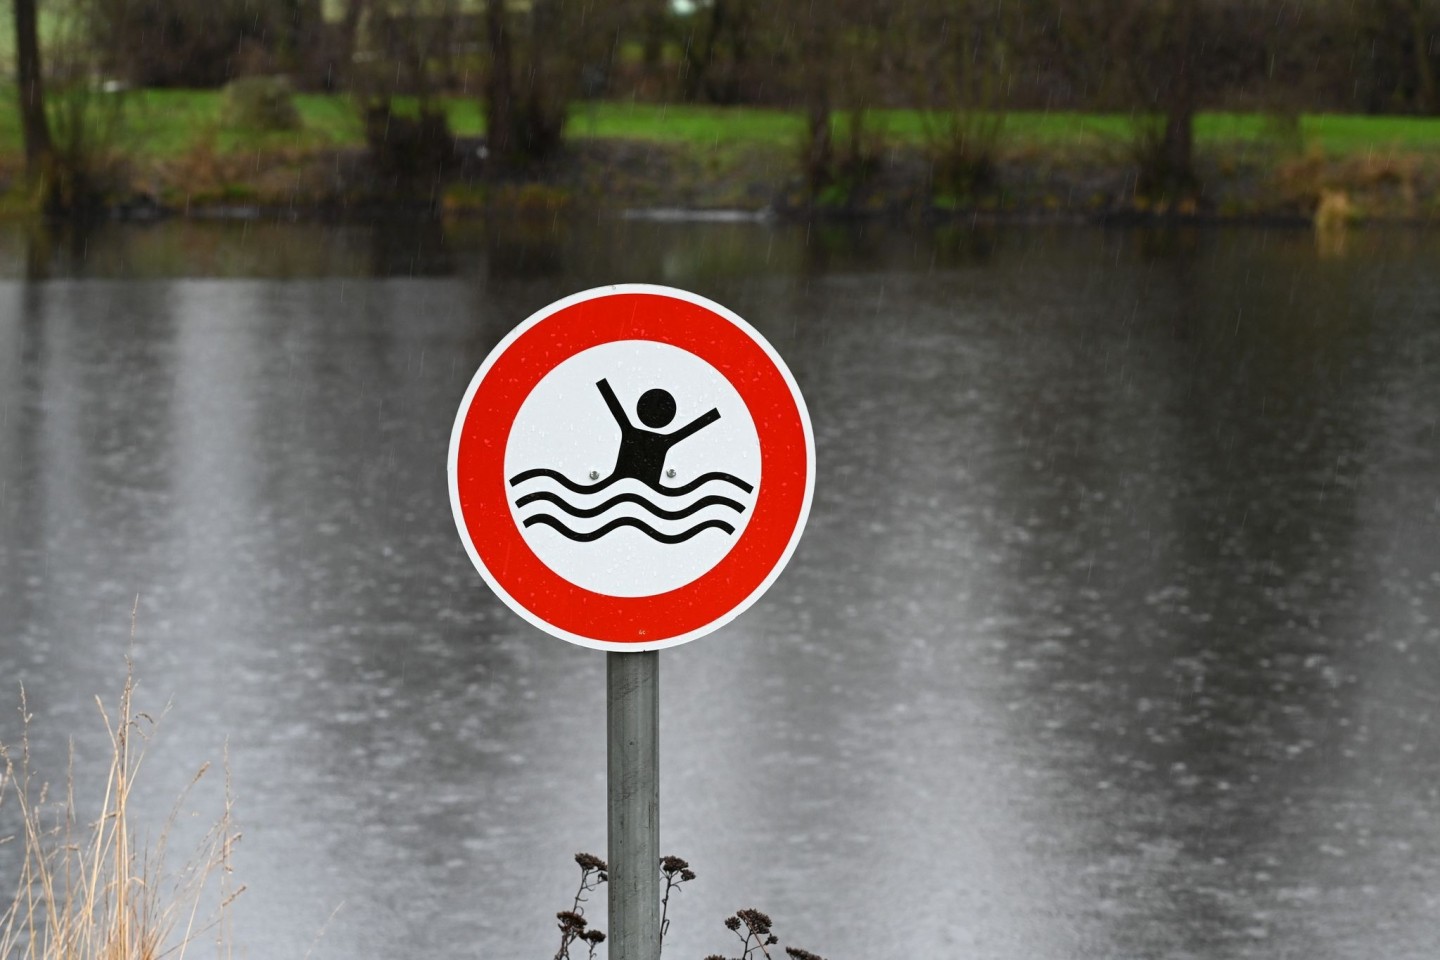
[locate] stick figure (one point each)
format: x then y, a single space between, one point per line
642 452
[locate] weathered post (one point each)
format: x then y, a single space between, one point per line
633 761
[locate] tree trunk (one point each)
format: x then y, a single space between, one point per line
306 29
1425 93
39 149
499 84
741 23
350 23
818 144
817 52
654 44
699 55
331 57
1178 148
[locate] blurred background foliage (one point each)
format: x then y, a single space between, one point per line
847 76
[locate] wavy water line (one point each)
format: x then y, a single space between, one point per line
664 491
618 522
589 512
632 490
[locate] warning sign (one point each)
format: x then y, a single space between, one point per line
631 467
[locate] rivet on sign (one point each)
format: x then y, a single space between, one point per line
670 474
594 474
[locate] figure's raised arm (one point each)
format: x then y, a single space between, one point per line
613 402
694 426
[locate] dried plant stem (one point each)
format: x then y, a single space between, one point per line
87 891
593 872
676 871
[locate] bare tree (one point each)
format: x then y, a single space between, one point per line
818 35
407 50
1398 43
717 51
349 28
959 62
35 127
542 57
1142 54
1424 21
1166 60
654 27
499 81
304 27
843 59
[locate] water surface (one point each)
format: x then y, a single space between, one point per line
1115 632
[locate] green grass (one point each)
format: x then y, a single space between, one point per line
1347 133
168 122
165 123
699 125
710 126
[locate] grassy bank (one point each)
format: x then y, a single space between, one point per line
180 152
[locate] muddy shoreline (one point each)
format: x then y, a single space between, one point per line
636 178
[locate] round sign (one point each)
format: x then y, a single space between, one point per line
631 467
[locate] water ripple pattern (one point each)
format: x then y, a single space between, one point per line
665 522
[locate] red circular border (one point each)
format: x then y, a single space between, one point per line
483 493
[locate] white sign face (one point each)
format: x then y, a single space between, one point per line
608 528
631 467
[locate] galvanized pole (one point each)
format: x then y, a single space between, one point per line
633 753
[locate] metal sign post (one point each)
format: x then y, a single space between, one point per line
633 762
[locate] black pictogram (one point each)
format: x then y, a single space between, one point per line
642 451
641 457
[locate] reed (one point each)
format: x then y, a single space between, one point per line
90 889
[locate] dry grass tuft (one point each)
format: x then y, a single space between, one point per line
87 890
1334 211
1386 185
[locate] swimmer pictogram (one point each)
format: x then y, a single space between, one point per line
640 460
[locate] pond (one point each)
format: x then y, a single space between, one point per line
1115 632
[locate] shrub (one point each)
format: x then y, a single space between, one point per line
85 168
260 103
962 146
409 152
1165 178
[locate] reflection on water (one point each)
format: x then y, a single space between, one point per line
1115 632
